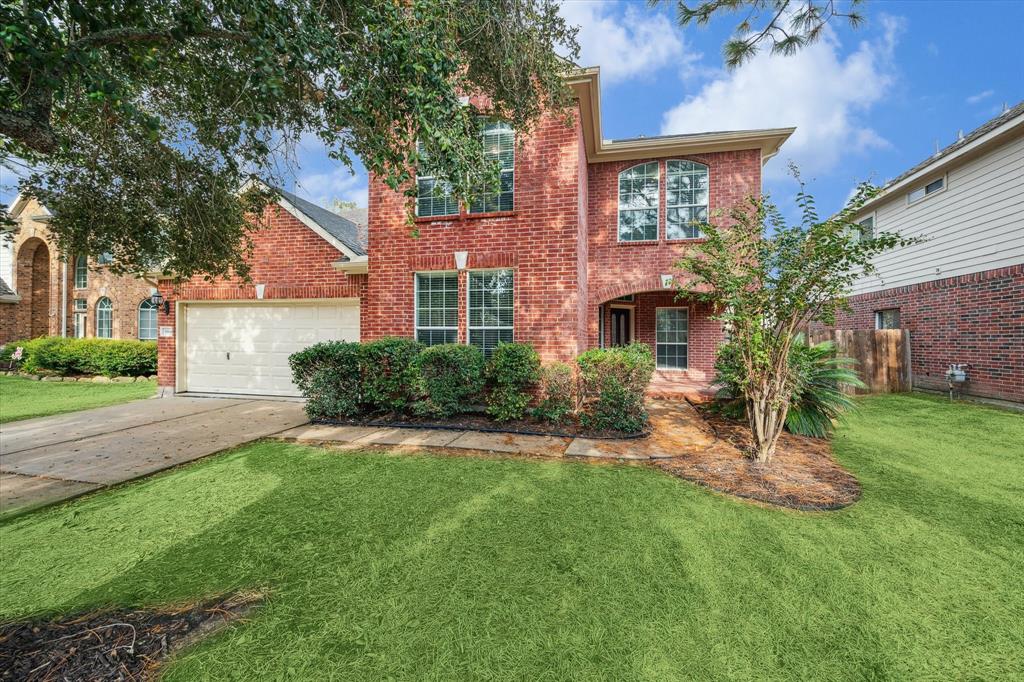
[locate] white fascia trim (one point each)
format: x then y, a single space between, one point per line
10 298
355 266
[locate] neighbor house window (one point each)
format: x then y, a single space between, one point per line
104 318
79 320
437 307
686 199
433 197
105 258
638 203
930 188
867 228
671 331
490 309
498 140
81 272
887 319
147 320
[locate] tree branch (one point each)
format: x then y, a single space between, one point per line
35 134
116 36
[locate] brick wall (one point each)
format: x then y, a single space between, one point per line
539 240
976 319
125 294
288 258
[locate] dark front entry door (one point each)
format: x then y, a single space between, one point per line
622 326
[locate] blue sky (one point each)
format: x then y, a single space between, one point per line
868 103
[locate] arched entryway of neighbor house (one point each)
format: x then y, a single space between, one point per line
32 277
679 329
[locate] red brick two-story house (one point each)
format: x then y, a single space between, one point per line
577 250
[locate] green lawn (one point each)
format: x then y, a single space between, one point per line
22 398
430 568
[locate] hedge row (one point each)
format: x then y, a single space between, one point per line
107 357
396 375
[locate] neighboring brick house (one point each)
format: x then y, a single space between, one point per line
576 251
960 292
54 297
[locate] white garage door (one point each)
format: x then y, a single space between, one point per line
244 348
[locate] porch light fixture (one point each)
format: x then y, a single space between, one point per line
157 299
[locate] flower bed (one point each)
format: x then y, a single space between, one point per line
399 382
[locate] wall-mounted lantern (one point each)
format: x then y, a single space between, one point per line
156 298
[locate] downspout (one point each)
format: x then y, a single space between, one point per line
64 297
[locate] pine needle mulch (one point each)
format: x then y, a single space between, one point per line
112 645
802 475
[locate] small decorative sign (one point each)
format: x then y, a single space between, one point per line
166 332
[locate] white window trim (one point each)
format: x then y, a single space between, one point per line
945 184
156 322
469 327
110 311
657 343
86 285
512 170
667 206
619 209
416 303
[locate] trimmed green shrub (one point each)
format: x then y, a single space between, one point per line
387 373
329 376
556 393
59 355
613 382
513 373
449 377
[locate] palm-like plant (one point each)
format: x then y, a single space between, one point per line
818 399
818 377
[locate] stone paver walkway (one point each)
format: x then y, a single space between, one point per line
676 429
54 458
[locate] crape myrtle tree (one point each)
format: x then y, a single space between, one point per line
768 279
136 122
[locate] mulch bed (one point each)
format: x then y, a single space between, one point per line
802 475
112 645
570 428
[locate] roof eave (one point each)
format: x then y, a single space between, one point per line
995 137
586 86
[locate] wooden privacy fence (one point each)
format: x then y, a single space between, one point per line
882 355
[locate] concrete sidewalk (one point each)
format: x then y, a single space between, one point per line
53 458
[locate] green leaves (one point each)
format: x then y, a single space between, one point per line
160 110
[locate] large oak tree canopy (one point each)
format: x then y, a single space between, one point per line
142 118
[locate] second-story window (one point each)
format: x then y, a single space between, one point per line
433 197
638 203
686 199
499 145
105 258
81 272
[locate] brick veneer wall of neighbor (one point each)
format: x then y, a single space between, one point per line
289 258
539 240
976 319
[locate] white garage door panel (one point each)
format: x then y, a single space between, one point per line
244 348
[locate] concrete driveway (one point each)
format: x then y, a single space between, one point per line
54 458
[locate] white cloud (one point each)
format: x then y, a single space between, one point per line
818 90
631 44
339 183
983 95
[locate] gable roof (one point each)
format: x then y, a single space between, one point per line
342 229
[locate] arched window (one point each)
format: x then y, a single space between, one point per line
81 272
147 320
687 199
638 203
104 318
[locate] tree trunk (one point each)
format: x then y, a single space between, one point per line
766 418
